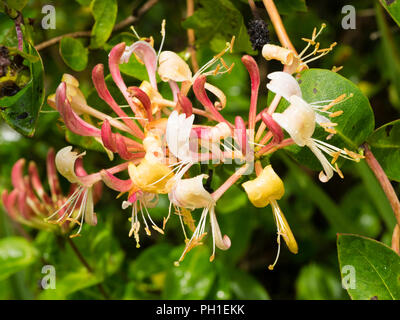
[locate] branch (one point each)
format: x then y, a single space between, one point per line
384 181
79 34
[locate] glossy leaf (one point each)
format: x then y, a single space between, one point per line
385 145
74 54
70 283
104 13
15 254
21 110
354 125
393 7
376 266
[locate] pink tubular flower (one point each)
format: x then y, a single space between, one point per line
28 203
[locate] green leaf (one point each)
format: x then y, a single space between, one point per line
353 126
70 283
393 7
192 279
21 110
287 7
153 260
385 145
316 282
74 54
15 254
218 20
85 142
245 287
377 267
104 13
16 4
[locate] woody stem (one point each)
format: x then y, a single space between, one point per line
384 181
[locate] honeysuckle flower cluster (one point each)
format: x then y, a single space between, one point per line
156 141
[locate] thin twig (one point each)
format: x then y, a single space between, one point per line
191 36
278 25
383 180
87 266
253 8
79 34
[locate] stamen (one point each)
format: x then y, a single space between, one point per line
339 171
163 38
328 124
336 69
135 33
336 114
231 44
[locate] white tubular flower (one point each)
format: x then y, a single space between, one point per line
283 84
178 135
220 131
173 67
79 207
190 194
65 163
299 121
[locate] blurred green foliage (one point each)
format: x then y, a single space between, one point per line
316 212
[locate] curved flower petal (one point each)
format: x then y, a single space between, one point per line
115 183
298 120
223 243
173 67
146 53
178 135
190 193
283 84
71 119
65 163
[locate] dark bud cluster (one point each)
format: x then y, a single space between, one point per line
259 34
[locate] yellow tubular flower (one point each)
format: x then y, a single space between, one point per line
266 189
151 176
